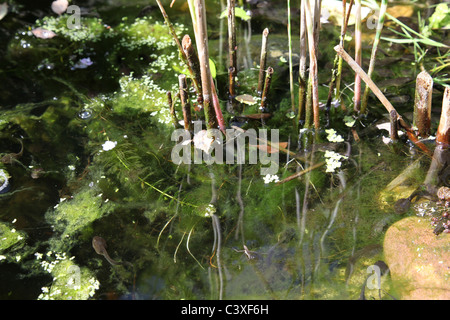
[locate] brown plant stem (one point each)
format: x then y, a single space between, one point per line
380 96
201 38
337 66
262 61
443 132
345 18
171 106
422 104
232 46
185 104
313 65
302 66
180 48
394 125
266 89
358 56
300 173
192 60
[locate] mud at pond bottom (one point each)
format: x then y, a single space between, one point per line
419 261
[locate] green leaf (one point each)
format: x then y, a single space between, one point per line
212 68
238 12
440 18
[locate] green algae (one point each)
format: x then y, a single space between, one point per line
10 237
72 215
70 282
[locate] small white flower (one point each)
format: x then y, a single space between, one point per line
333 137
109 145
333 160
2 257
38 255
71 167
271 178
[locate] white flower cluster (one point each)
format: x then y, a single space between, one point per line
271 178
333 137
48 266
109 145
210 210
333 160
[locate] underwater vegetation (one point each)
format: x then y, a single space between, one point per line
93 205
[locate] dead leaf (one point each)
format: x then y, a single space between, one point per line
60 6
246 98
400 11
43 33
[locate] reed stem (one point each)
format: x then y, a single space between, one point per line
358 57
422 104
376 40
266 89
192 60
171 106
201 39
291 75
313 65
185 104
443 132
232 47
262 61
180 48
302 65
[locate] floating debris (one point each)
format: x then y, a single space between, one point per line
4 180
82 64
43 33
60 6
85 114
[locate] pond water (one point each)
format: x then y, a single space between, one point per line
89 107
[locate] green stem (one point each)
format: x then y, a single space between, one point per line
376 40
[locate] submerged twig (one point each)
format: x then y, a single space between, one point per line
300 173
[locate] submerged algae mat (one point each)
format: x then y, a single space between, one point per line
97 161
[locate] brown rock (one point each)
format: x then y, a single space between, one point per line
419 261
